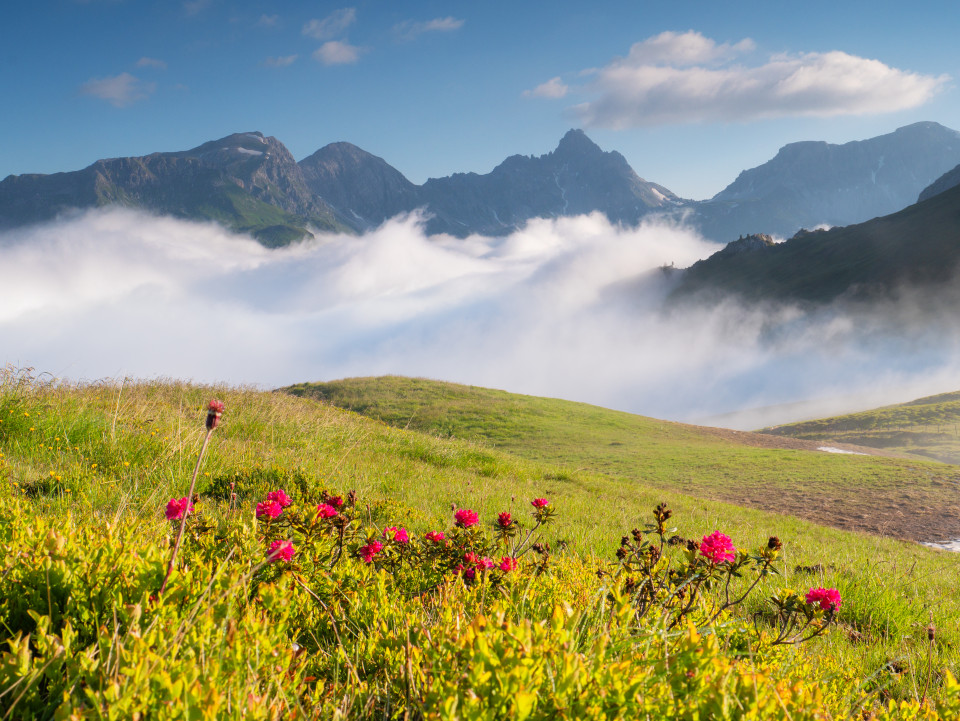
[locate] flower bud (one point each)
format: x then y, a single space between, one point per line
214 411
774 544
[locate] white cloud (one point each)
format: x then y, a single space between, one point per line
120 90
336 52
332 25
682 49
409 29
268 21
566 308
280 62
146 62
553 88
683 78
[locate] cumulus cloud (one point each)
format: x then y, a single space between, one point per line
120 90
567 308
146 62
336 52
281 62
409 29
331 26
553 88
686 77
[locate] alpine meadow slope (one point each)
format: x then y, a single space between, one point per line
92 469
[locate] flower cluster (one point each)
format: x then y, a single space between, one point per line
214 411
177 508
368 552
434 536
717 548
325 510
827 598
396 534
280 551
273 507
464 518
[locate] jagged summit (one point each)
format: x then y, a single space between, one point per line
576 142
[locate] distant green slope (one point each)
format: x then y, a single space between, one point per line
927 427
909 499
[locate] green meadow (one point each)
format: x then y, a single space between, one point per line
924 428
87 472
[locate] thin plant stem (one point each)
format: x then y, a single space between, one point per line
186 512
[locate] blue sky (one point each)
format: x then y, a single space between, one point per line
690 92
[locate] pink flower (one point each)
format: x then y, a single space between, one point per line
280 551
269 509
370 550
508 564
484 563
280 497
178 508
325 511
504 520
335 501
471 558
717 547
828 598
397 534
466 518
539 503
435 536
214 411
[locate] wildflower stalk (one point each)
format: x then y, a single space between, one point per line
213 420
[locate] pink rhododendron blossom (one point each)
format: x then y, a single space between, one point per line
466 518
280 551
508 564
539 503
336 502
827 598
397 534
717 547
269 509
326 511
504 520
280 497
471 558
370 550
178 507
435 536
485 563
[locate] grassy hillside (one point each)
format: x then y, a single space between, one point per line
889 496
926 428
85 474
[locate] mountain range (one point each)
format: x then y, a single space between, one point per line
916 247
251 183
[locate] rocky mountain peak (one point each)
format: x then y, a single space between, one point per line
576 143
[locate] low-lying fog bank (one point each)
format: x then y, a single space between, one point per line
568 308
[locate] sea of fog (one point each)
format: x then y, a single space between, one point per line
570 308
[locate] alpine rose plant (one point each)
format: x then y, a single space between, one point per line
178 507
539 503
717 548
827 598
